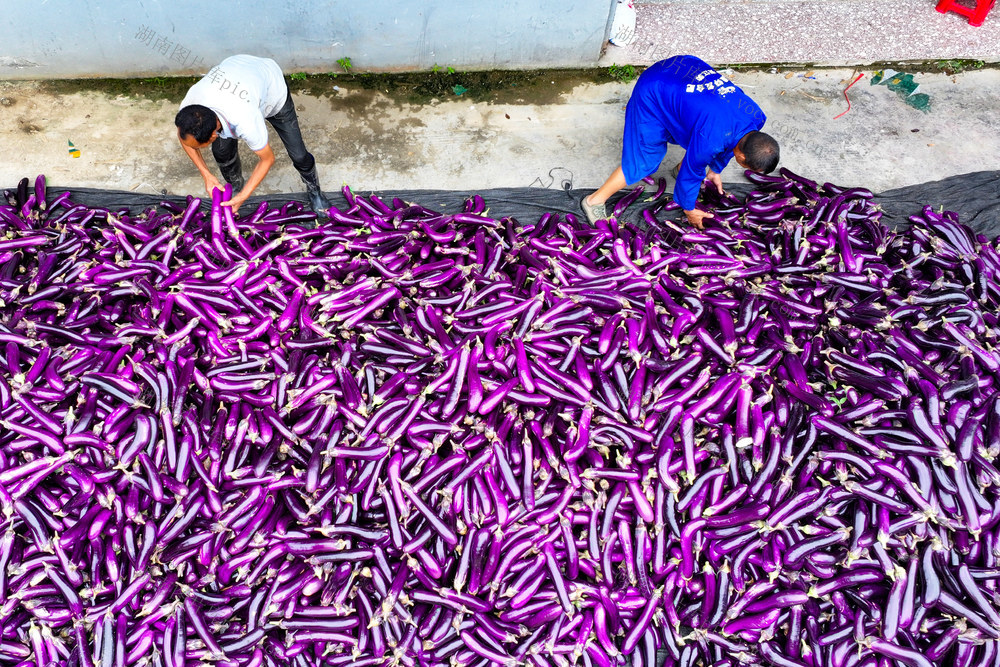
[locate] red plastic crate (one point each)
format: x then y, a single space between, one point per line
976 14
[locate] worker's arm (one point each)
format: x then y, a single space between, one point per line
700 163
688 184
696 217
719 162
716 179
265 160
211 182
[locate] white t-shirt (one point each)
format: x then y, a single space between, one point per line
242 91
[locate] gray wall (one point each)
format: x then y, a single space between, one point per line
83 38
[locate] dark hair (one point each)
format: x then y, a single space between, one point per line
761 152
197 121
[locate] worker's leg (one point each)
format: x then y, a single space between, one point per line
286 125
593 204
615 182
644 145
227 156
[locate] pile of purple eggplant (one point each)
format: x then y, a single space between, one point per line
411 438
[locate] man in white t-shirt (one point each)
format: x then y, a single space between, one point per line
232 102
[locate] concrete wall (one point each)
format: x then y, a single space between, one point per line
85 38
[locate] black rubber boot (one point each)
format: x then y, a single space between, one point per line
317 201
232 172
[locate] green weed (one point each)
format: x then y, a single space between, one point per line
623 73
958 66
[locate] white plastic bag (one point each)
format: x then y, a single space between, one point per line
623 25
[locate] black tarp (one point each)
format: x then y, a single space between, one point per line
975 197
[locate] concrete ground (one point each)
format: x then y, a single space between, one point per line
371 141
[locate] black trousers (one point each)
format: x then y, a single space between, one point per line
286 124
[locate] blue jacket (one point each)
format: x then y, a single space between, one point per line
683 101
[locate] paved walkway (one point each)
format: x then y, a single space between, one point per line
828 32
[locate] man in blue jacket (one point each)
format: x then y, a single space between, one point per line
683 101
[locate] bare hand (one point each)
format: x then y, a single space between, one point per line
235 202
212 183
716 179
696 217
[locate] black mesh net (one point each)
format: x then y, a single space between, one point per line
975 197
